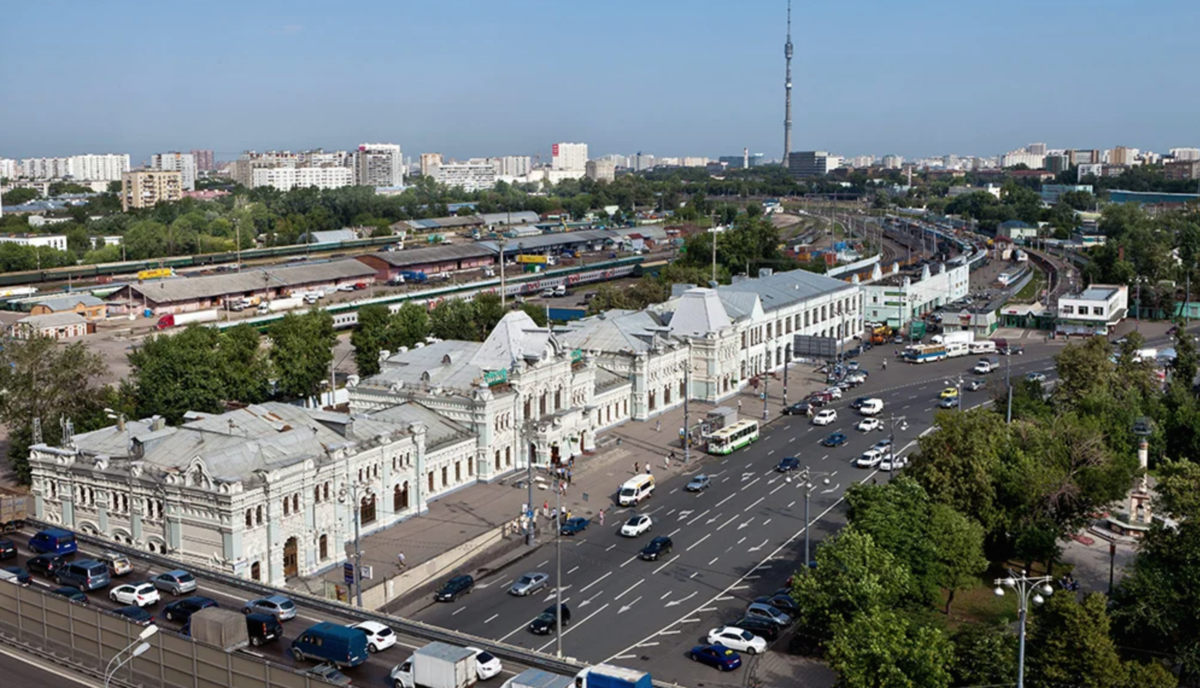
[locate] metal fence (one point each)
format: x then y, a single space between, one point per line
86 639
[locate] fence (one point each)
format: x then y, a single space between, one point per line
86 638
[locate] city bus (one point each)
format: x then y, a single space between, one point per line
730 439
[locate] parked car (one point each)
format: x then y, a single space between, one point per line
455 587
547 621
800 408
529 583
658 546
73 594
738 639
177 582
276 605
768 612
893 463
698 483
834 392
1035 377
637 525
719 656
857 403
571 526
139 594
379 636
781 601
46 565
869 459
837 439
135 614
759 627
788 464
182 610
486 664
825 417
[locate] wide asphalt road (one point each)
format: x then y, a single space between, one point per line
739 539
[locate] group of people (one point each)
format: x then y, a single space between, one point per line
1068 582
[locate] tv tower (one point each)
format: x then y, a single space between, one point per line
787 89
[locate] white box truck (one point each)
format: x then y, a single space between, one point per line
221 627
280 305
180 319
437 665
964 337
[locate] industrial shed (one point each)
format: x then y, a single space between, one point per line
450 258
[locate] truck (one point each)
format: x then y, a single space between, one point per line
244 303
881 334
405 276
537 678
609 676
180 319
278 305
223 628
14 507
964 337
437 665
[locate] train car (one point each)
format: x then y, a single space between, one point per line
156 273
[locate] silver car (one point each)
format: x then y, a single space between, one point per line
177 582
529 584
277 606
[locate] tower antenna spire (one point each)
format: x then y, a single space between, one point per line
787 89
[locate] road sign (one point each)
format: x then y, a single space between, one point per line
529 515
348 571
366 572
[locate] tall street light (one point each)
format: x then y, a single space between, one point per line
1037 589
806 476
351 492
134 650
957 384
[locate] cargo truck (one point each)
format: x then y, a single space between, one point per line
537 678
180 319
437 665
13 510
964 337
244 303
609 676
223 628
279 305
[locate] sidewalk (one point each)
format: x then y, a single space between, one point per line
475 511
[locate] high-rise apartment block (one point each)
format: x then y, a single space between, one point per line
1056 163
429 162
1182 170
1033 161
288 178
512 165
9 168
1079 156
642 162
183 163
320 158
812 163
893 162
601 170
569 156
1121 156
1181 154
379 164
1036 148
204 160
243 168
92 168
476 174
146 188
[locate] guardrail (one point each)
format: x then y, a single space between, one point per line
564 666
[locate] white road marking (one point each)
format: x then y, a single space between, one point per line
626 607
609 548
724 500
770 452
666 564
793 439
672 533
726 478
739 587
755 549
742 540
585 620
750 483
746 524
647 644
694 574
704 609
766 521
724 598
681 600
781 486
675 632
458 611
542 564
572 570
731 520
491 618
683 621
626 656
791 505
589 600
665 595
627 590
697 542
629 560
754 504
712 520
693 521
584 589
714 560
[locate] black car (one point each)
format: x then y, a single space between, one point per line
182 610
837 439
800 408
858 403
46 565
760 627
8 549
788 463
458 585
658 546
548 620
853 351
783 603
135 614
263 628
22 575
73 594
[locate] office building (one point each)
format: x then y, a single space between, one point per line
476 174
812 163
1081 156
512 165
1036 148
146 188
601 170
378 164
288 178
183 163
1182 170
743 161
893 162
204 160
1093 311
569 156
1181 154
430 161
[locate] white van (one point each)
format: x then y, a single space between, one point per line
871 407
635 490
983 346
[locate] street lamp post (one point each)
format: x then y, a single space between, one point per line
135 650
766 381
1037 589
351 492
558 570
957 384
787 361
687 428
805 476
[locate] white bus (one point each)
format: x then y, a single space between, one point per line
729 439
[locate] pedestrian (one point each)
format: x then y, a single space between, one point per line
571 462
647 468
602 517
635 467
569 476
546 507
739 405
400 560
658 426
666 463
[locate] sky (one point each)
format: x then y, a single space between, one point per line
666 77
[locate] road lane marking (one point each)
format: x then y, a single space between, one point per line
746 524
791 505
713 520
491 618
652 644
742 540
585 620
675 632
724 598
665 595
458 611
793 439
626 656
739 587
609 548
731 520
723 500
693 521
714 560
755 549
770 452
665 565
702 610
697 542
750 483
672 533
766 521
754 504
542 564
781 486
627 607
682 599
726 478
694 574
584 589
627 590
629 560
572 570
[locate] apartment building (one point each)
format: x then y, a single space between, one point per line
475 174
378 164
568 156
183 163
147 188
288 178
601 170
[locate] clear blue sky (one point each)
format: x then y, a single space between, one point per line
669 77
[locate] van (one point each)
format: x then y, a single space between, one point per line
983 346
330 642
635 490
871 407
263 628
53 541
85 574
986 365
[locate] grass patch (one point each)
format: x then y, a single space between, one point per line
1030 291
980 604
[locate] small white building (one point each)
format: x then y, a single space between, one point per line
54 241
1095 310
67 325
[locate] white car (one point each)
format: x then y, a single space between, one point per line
141 594
345 287
869 459
893 463
825 417
869 424
486 665
636 525
735 638
835 392
379 637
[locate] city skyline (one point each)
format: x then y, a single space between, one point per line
913 93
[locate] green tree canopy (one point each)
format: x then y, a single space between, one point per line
881 648
301 351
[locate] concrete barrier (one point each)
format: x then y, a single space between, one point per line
419 574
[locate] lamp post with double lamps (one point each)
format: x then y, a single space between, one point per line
1027 588
351 492
957 384
135 649
805 478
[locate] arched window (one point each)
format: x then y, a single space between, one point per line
323 547
317 494
296 503
326 490
249 518
431 481
366 512
287 506
258 515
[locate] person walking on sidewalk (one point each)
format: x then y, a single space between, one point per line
400 560
658 426
568 476
647 468
667 461
635 467
602 517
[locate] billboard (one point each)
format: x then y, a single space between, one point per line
554 150
814 347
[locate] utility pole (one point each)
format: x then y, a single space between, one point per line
714 248
766 380
558 570
687 427
787 360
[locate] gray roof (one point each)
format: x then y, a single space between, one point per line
616 331
434 254
52 320
652 232
552 240
606 379
444 365
522 217
332 236
1096 293
699 312
439 430
67 302
785 288
209 286
516 337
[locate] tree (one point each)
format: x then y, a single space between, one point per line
19 195
301 351
984 655
957 465
881 648
370 337
537 313
408 326
246 369
453 318
1084 371
44 381
177 373
488 313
